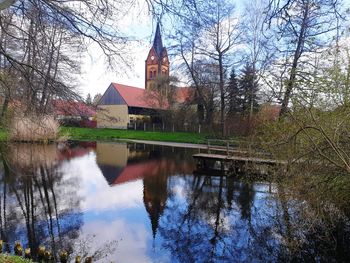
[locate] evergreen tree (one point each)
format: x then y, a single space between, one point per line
88 99
249 86
235 95
96 99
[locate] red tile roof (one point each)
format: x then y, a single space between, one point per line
133 172
184 94
134 97
137 97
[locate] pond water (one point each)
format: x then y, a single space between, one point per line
124 202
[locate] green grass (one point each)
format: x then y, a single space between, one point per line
13 259
3 134
112 134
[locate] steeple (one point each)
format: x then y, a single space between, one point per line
157 62
157 42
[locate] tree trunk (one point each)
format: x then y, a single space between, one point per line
297 54
222 96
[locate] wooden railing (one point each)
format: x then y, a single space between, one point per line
227 146
237 147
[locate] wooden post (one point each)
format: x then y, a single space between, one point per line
41 253
18 249
163 126
27 253
173 127
135 125
199 128
64 256
144 126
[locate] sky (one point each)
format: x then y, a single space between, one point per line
96 75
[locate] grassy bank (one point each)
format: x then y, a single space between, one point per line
111 134
3 136
13 259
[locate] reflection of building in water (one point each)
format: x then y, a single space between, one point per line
154 197
122 162
111 158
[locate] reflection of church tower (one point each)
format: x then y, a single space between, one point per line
157 62
154 198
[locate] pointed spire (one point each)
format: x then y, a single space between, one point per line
157 43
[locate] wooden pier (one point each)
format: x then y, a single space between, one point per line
226 158
234 159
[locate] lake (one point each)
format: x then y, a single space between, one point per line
128 202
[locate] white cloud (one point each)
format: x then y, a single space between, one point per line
96 75
96 194
132 240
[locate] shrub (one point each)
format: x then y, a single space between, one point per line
33 128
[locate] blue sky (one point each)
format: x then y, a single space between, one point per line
96 75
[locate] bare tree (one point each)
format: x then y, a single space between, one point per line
40 41
256 41
302 26
208 31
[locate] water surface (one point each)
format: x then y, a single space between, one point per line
143 203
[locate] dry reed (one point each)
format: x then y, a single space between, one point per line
33 128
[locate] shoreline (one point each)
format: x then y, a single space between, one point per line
89 134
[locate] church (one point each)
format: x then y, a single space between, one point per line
121 106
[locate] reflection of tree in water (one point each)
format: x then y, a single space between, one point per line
214 222
168 163
220 219
44 205
38 204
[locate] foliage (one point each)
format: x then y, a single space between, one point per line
234 94
13 259
88 100
249 88
96 99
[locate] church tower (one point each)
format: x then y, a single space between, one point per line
157 62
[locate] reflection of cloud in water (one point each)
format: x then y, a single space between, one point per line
178 188
98 195
132 239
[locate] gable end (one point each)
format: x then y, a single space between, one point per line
111 97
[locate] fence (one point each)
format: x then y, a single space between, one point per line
240 127
171 127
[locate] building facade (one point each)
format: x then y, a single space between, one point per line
157 62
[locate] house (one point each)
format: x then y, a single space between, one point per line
72 110
74 113
121 105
